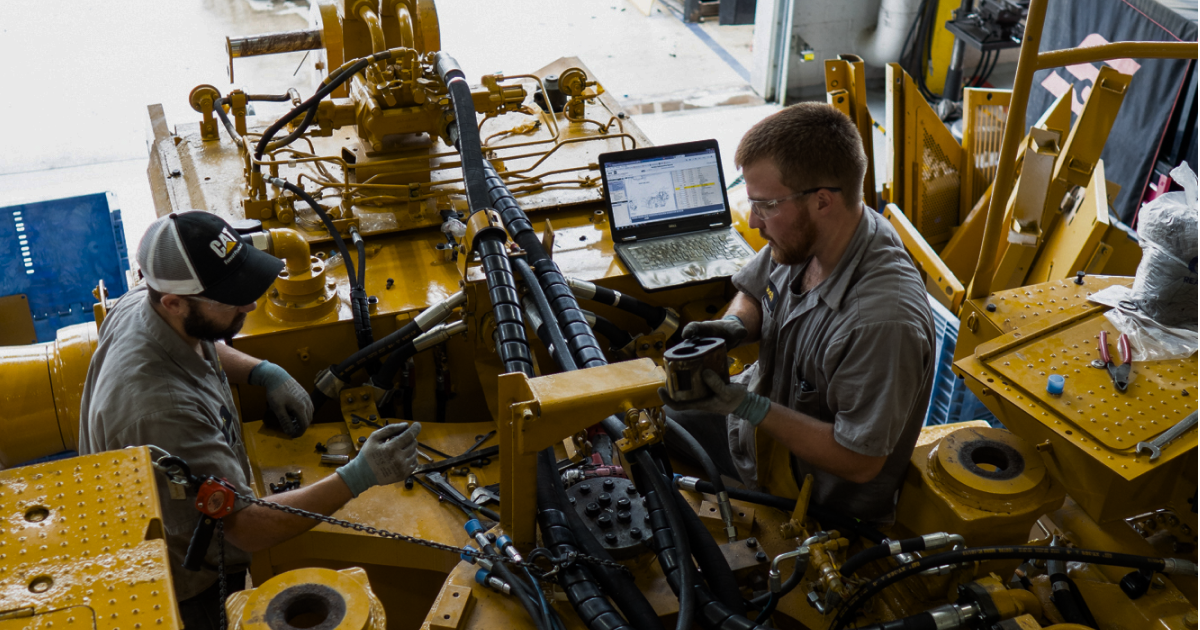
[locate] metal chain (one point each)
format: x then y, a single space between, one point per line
383 533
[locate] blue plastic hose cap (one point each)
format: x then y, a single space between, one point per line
473 527
1055 384
466 556
503 542
481 576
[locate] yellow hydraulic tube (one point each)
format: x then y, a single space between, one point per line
287 244
1117 50
1014 129
42 388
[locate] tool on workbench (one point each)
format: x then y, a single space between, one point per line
483 495
1119 373
479 440
1154 447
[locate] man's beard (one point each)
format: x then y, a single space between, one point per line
802 235
198 327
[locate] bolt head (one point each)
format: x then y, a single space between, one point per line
752 542
761 556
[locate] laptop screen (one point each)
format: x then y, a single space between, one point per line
646 193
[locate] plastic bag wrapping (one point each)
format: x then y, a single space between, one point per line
1151 341
1165 285
454 228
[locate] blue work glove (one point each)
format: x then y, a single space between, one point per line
292 406
388 456
727 398
730 328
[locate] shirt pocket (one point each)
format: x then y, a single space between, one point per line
807 399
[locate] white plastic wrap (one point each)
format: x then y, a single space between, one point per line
1150 340
1164 288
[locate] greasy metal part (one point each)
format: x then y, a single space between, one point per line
324 598
84 544
270 44
686 364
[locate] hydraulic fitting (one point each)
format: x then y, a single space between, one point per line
506 545
485 577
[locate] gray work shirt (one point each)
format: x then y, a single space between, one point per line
856 351
145 385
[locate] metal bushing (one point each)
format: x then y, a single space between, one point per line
688 360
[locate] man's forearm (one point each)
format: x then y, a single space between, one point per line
255 528
812 441
237 364
748 310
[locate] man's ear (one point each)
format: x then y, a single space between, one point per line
174 304
825 201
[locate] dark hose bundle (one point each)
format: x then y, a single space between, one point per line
587 598
511 343
585 349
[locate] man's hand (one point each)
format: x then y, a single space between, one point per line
727 398
388 456
730 328
289 402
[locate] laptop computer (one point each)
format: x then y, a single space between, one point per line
669 215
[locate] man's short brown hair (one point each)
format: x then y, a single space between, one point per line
812 144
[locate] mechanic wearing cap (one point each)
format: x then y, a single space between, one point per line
846 337
160 377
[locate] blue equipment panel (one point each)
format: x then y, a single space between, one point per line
57 251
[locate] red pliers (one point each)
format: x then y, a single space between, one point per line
1119 373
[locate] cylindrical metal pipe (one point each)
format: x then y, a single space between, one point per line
272 43
1014 131
374 26
1117 50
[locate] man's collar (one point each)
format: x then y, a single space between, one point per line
835 286
161 332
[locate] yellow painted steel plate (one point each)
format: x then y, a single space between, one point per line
85 535
1154 401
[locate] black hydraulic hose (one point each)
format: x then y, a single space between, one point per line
358 298
562 353
309 108
510 340
580 339
521 592
586 598
832 519
653 315
860 596
463 131
617 338
713 614
880 551
697 451
1065 594
714 567
682 566
373 352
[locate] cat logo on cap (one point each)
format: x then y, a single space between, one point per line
225 244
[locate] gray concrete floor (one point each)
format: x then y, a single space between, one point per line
80 79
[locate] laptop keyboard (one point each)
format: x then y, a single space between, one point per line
681 250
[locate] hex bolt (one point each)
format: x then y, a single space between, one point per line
624 517
604 521
362 438
585 488
991 308
609 484
408 483
630 490
605 499
592 509
610 538
623 503
635 533
761 556
390 283
752 542
572 500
